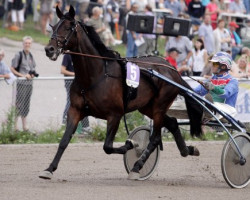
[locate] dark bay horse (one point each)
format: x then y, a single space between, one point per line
99 90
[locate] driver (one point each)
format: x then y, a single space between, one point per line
222 87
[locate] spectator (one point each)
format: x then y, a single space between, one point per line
17 13
132 49
112 14
45 14
235 39
104 32
213 10
187 2
92 4
222 86
7 13
67 69
159 4
196 11
36 15
199 57
172 56
28 8
4 69
147 47
122 16
223 6
23 65
222 38
247 6
81 6
245 51
183 45
141 5
174 6
184 6
245 31
237 6
242 68
205 32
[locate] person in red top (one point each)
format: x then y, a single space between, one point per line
171 58
172 55
213 10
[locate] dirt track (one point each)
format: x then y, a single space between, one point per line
86 172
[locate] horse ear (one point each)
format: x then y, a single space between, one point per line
59 13
72 12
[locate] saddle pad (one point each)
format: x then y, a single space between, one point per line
133 75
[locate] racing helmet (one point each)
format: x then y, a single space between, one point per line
223 58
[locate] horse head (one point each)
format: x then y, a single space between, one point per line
63 32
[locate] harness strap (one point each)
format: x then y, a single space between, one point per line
100 79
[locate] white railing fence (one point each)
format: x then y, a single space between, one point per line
47 104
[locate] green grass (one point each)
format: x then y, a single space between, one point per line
27 137
28 30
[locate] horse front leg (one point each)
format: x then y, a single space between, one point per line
172 125
72 122
112 127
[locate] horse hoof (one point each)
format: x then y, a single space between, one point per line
196 152
135 144
45 175
133 176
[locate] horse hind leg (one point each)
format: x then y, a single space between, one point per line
172 125
112 127
72 122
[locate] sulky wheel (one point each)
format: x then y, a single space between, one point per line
141 136
235 172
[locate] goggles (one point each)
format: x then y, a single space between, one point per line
216 64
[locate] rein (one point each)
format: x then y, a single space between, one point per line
200 82
117 59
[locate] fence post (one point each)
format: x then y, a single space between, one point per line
13 102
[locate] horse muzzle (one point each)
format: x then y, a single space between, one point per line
52 52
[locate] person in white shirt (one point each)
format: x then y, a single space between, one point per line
222 38
199 57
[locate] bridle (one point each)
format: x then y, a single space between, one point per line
65 39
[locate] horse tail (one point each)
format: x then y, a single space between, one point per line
195 112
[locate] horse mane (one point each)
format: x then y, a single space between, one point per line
97 42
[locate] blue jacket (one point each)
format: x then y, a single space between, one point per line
225 91
237 37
